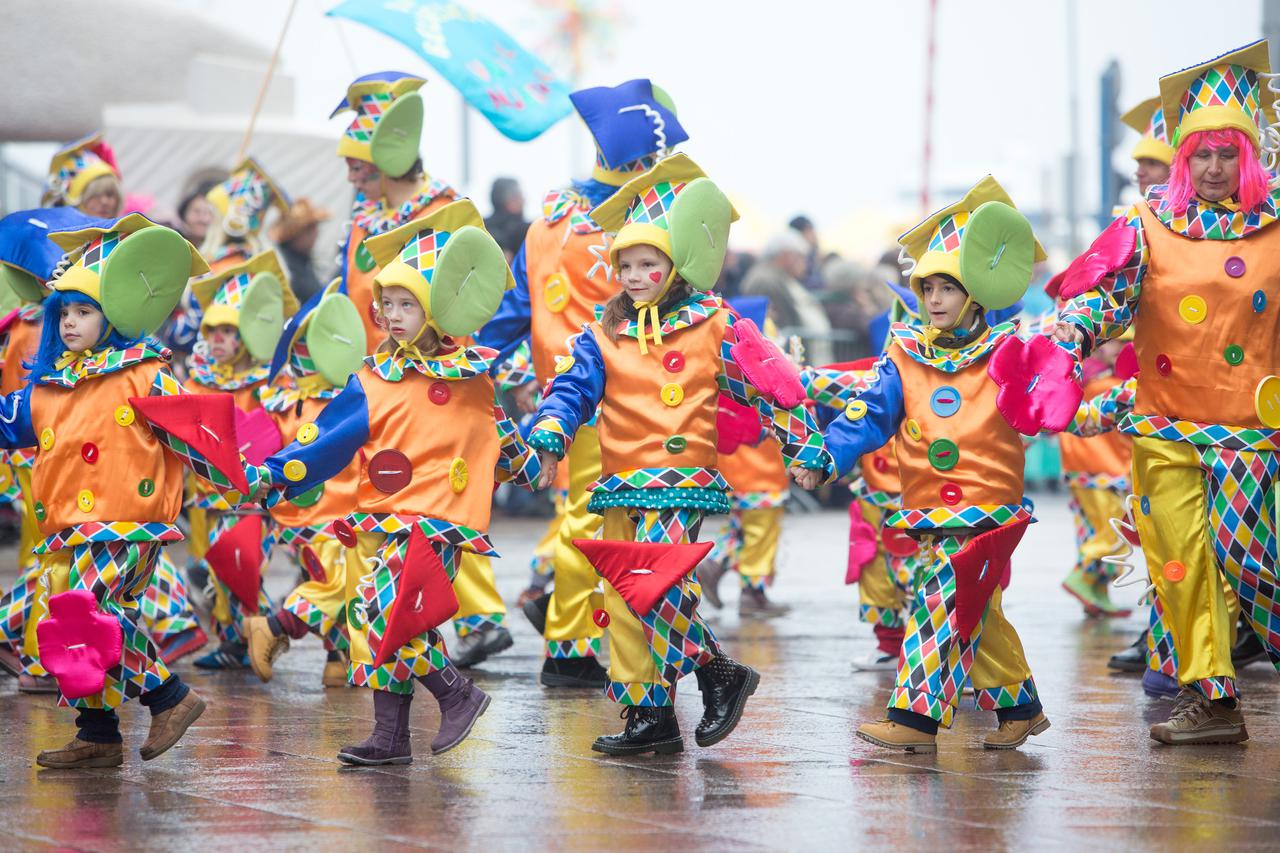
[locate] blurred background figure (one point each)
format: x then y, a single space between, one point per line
295 235
853 296
195 214
796 311
507 223
803 225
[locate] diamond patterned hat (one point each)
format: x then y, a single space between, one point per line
244 198
221 295
75 166
1148 119
369 97
1224 92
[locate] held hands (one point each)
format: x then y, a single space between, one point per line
1068 333
526 398
549 462
807 478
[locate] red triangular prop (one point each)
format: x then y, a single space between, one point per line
642 572
258 435
236 558
424 597
978 568
207 422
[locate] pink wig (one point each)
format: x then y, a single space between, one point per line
1253 178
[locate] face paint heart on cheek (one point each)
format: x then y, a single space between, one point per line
655 276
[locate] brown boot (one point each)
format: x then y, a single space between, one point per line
1197 720
28 683
80 753
335 671
264 646
1014 733
168 726
893 735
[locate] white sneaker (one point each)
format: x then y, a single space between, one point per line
876 661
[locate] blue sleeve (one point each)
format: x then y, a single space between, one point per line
572 397
510 324
849 439
343 427
16 431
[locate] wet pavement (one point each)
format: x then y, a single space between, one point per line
258 770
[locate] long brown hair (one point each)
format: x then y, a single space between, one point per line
621 307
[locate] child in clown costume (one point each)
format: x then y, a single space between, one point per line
83 175
243 309
107 480
420 414
1194 260
961 466
655 365
321 348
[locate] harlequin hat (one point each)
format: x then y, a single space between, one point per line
135 269
1223 92
244 198
676 208
387 128
982 241
1148 119
449 263
75 165
28 258
254 296
331 334
632 123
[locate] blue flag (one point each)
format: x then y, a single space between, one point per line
509 85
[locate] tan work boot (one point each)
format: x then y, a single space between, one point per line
81 753
1014 733
335 672
893 735
264 646
1197 720
168 726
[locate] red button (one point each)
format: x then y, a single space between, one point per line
1163 364
950 494
601 618
1234 266
344 533
439 393
673 361
89 452
898 543
880 463
390 471
311 562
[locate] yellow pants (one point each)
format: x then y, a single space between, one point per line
882 590
757 532
571 630
321 604
479 603
1095 537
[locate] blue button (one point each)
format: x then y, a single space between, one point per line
1146 505
1259 301
945 401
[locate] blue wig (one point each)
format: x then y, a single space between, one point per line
51 347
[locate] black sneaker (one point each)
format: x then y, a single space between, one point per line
1248 648
1132 659
725 686
648 730
535 610
583 672
480 645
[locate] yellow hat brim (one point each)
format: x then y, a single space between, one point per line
356 150
640 234
1150 148
399 274
90 173
1172 87
80 280
70 241
385 247
207 288
611 214
220 315
935 263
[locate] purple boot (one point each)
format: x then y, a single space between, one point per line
461 704
389 743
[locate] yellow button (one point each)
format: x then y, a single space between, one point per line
308 433
913 429
295 470
672 394
124 415
1192 309
46 439
1266 401
555 292
84 500
458 474
856 410
563 363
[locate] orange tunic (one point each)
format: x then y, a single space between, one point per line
131 478
24 339
880 470
1108 453
756 469
337 494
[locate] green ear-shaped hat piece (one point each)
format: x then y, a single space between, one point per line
143 279
997 254
470 276
16 287
262 315
335 338
699 225
394 146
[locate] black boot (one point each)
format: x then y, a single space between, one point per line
653 730
480 645
1248 648
725 686
574 672
535 610
1132 659
389 743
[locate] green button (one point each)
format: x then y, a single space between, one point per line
39 511
675 444
364 260
943 454
1233 354
310 497
147 488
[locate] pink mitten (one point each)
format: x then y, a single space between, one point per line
765 367
1037 387
1109 253
78 644
258 435
1126 362
736 425
862 544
